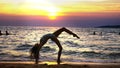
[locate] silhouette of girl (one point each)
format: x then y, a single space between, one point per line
34 51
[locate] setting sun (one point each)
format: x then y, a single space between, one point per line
52 13
48 8
52 16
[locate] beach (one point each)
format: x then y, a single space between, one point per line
54 65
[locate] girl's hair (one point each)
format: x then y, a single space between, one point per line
34 53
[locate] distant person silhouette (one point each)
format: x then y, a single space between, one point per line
1 33
7 33
101 33
94 33
34 51
119 33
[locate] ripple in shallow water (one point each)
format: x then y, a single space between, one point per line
47 49
23 47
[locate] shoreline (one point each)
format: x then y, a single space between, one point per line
54 65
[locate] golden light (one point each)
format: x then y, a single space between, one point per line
52 16
50 63
52 13
48 8
54 8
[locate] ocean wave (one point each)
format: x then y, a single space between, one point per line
72 44
92 54
2 54
114 55
3 47
112 49
70 52
47 49
23 47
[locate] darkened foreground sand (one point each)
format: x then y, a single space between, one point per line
54 65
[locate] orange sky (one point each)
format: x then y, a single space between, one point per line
58 8
60 12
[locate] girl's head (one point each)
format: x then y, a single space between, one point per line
34 51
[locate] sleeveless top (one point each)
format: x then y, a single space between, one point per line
46 37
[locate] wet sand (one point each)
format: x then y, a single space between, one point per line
54 65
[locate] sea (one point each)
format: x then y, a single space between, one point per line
103 46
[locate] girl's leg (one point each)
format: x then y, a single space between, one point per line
60 48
